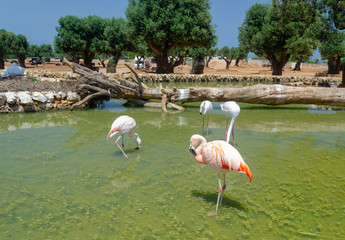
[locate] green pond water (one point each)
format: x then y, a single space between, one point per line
62 179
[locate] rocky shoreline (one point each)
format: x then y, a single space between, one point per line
11 102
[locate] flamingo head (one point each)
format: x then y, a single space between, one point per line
243 168
194 141
138 140
192 150
112 132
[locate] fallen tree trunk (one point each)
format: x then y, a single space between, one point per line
262 94
101 86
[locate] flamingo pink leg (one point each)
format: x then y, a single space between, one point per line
120 147
220 190
223 190
202 128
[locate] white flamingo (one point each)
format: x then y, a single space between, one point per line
122 125
205 108
220 156
231 109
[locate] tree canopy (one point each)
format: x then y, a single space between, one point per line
228 54
116 40
274 30
21 48
7 40
168 24
80 36
40 51
335 9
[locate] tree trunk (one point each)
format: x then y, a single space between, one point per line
337 65
74 58
2 62
258 94
343 76
198 66
163 65
277 65
102 61
162 60
298 65
237 62
88 57
228 62
331 66
21 60
208 59
112 63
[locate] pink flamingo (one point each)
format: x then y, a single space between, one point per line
231 109
122 125
205 108
220 156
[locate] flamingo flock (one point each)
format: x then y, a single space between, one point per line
220 155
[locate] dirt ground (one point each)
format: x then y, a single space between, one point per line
215 67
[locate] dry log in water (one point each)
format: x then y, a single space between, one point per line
259 94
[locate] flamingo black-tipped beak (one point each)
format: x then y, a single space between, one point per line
192 150
200 113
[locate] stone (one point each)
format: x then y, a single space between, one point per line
11 97
2 98
24 98
39 97
59 95
73 96
50 96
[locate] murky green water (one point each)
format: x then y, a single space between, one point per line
62 179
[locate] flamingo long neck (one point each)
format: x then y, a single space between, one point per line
136 137
231 126
199 158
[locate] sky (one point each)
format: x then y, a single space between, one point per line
38 19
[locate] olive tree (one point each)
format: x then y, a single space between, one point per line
20 48
210 54
272 30
116 41
6 45
80 36
40 51
240 54
198 54
335 9
333 48
168 24
228 54
335 12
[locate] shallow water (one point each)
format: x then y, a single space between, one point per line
62 179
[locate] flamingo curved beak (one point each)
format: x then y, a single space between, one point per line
192 150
